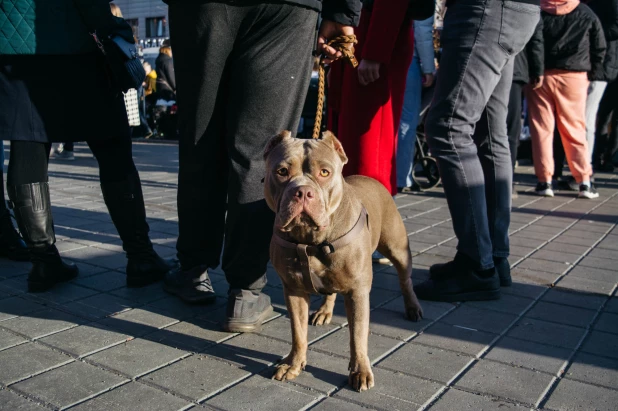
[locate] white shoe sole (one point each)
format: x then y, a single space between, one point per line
545 193
588 195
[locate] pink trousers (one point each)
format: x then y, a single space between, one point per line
560 101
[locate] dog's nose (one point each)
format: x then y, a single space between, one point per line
304 193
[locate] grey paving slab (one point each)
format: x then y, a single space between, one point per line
69 384
41 323
607 322
26 360
544 332
425 362
455 399
603 344
524 289
566 248
573 395
9 339
143 295
136 357
594 370
12 401
138 321
250 351
84 340
604 253
585 285
192 335
15 306
574 316
339 343
528 354
556 256
505 381
394 324
281 328
575 299
431 310
259 393
508 303
175 307
612 305
392 391
108 281
597 274
330 404
133 396
537 264
196 377
456 338
482 320
66 292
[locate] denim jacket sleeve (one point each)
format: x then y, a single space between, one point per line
423 44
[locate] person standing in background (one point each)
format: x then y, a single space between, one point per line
365 104
420 74
528 68
166 77
12 246
574 53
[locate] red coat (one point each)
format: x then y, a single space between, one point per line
366 118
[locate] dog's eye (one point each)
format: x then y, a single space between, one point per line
283 172
324 172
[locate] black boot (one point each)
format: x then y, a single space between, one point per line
192 286
33 214
125 202
12 246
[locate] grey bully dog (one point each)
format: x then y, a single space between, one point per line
326 229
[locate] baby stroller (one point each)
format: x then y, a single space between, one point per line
425 171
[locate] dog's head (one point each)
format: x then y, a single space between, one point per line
303 183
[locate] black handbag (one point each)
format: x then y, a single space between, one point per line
417 10
114 38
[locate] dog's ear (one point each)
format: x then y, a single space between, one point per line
275 141
330 139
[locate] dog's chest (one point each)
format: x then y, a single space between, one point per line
322 278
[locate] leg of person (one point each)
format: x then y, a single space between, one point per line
604 115
492 142
595 94
271 67
29 194
541 109
12 246
202 91
122 192
559 155
479 39
571 93
513 123
612 143
407 126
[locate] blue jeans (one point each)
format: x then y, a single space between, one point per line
479 42
409 121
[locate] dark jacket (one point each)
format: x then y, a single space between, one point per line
607 11
56 27
166 78
574 42
529 62
341 11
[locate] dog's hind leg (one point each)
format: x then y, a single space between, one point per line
325 313
397 250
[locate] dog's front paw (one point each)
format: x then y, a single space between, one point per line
414 313
361 376
322 316
288 370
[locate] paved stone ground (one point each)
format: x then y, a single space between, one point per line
550 343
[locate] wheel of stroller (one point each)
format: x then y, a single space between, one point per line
425 173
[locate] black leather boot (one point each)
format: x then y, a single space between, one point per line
33 214
12 246
125 202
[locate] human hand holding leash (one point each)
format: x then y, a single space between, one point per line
329 30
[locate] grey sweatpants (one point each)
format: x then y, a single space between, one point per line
242 75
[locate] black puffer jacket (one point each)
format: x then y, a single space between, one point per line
529 62
166 77
341 11
574 42
607 11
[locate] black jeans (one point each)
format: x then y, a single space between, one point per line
29 160
513 119
242 76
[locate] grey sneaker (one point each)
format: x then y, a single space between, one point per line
246 311
65 155
192 286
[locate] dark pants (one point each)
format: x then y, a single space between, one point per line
242 76
559 155
606 144
513 119
29 160
479 42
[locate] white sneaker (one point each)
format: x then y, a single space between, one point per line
378 258
544 190
586 191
